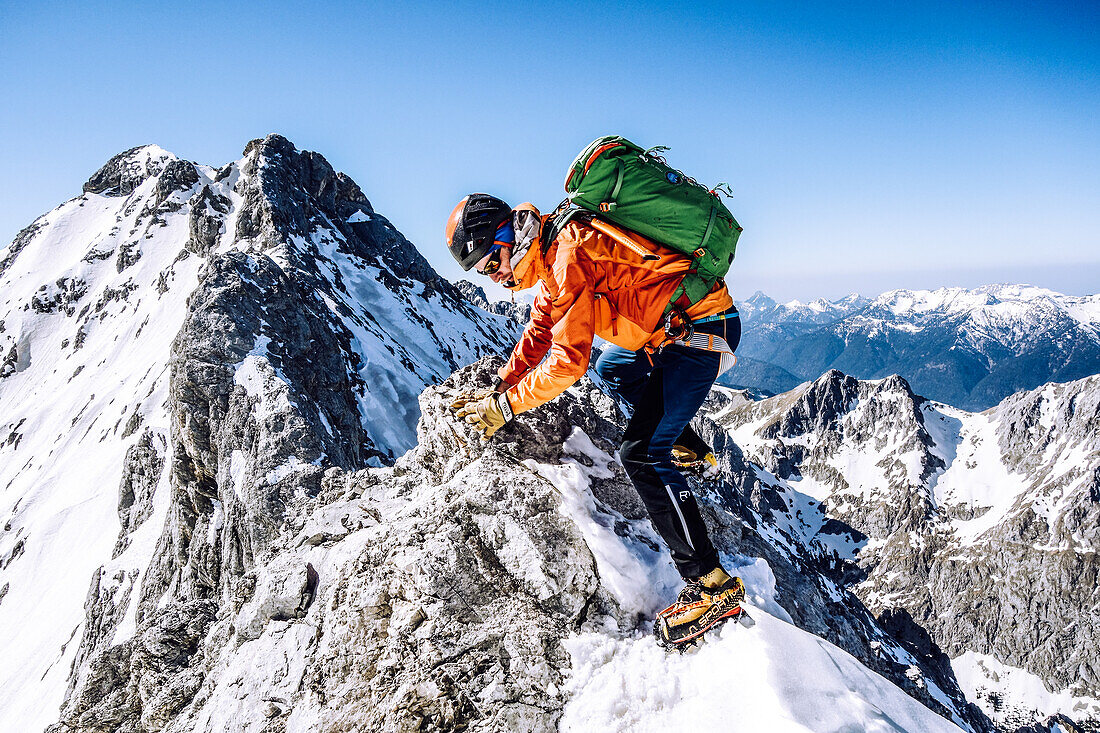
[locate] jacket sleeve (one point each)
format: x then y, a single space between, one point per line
534 343
569 320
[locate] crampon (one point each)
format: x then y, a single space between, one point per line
691 463
698 610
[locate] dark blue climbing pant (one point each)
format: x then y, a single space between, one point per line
662 392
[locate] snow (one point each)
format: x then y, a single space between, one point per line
59 483
62 448
292 465
1010 314
1003 692
977 476
628 568
238 471
772 677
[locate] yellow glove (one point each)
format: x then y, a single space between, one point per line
467 396
488 414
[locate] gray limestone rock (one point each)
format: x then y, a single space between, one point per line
143 684
22 239
141 471
206 221
60 296
126 171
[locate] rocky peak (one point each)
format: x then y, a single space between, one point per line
289 194
177 175
186 350
518 312
819 407
334 192
126 171
759 301
1057 413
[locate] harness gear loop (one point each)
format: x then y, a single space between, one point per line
681 332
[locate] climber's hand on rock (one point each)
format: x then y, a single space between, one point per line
488 414
466 396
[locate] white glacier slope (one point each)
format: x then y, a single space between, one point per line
772 677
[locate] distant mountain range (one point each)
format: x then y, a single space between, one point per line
968 348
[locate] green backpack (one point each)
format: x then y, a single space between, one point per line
635 188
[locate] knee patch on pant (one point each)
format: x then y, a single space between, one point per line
634 454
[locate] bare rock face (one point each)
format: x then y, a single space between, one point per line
435 594
207 221
1020 591
142 684
142 469
127 170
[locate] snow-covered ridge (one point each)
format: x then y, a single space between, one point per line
93 297
945 301
1003 297
498 587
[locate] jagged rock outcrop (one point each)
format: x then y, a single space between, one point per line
969 533
207 221
437 594
518 312
129 169
141 472
443 589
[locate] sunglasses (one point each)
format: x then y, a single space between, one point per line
493 263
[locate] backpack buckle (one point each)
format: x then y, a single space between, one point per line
607 206
699 252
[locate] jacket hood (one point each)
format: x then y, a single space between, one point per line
528 225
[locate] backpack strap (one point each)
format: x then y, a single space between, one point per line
562 215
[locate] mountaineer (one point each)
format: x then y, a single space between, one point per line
671 339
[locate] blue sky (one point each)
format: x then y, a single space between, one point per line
921 145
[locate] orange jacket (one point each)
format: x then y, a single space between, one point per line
595 279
